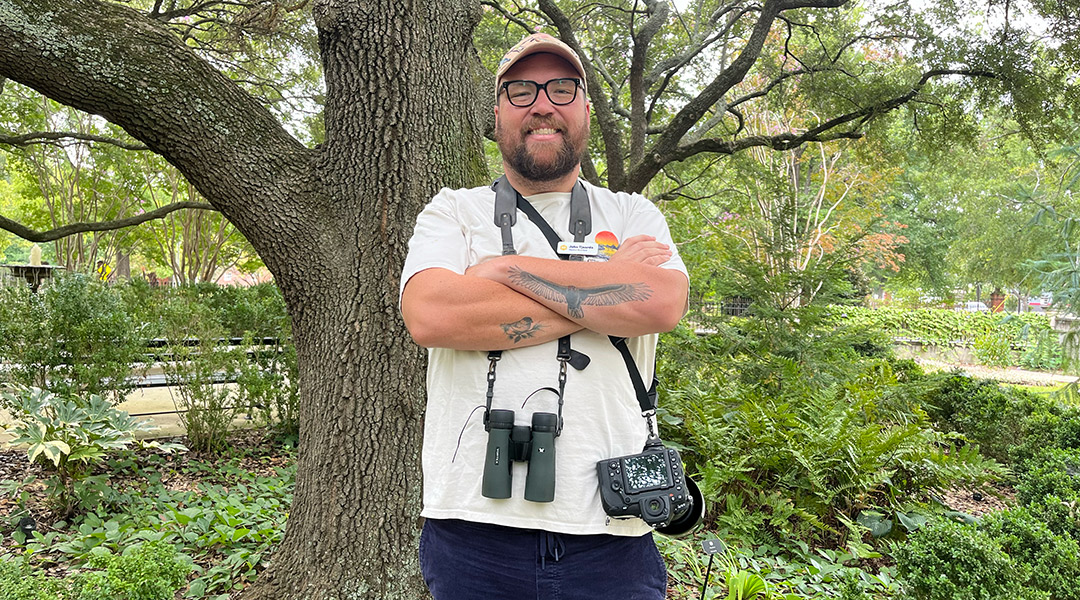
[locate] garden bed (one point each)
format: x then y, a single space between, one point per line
224 514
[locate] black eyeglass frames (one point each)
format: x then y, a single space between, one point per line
523 93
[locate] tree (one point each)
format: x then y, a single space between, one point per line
684 83
403 112
331 223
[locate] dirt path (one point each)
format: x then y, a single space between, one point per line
1004 375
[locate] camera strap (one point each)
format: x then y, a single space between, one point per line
507 202
646 397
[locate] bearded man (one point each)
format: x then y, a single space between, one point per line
503 315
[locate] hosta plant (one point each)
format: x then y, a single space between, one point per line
69 435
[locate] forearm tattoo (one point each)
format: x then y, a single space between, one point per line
521 329
575 297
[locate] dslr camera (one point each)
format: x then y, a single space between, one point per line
651 485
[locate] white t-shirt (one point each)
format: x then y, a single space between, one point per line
601 413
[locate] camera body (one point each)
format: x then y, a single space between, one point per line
650 485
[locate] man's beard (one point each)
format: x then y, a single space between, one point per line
525 164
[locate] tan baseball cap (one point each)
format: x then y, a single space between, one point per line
535 44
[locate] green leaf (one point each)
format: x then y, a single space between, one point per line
878 524
911 522
85 453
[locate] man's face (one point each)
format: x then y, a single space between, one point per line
543 142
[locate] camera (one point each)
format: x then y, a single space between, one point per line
508 443
651 485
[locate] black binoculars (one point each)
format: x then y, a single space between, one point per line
508 443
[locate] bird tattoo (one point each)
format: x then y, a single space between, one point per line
575 297
521 329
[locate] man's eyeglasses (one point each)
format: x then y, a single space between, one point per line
523 93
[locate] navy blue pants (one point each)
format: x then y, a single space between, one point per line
462 560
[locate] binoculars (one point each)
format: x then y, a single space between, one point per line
508 443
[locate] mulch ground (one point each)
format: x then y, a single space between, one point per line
17 497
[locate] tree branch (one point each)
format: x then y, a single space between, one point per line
642 40
107 59
41 137
605 117
822 132
793 4
528 27
61 232
692 112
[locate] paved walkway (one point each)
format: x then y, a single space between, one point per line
1004 375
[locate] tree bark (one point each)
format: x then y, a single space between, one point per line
332 224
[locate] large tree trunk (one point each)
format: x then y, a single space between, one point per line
396 128
332 224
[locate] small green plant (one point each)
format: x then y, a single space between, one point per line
229 524
69 435
19 582
1044 352
146 571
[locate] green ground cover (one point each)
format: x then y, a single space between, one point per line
219 518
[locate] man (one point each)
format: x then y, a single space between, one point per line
463 296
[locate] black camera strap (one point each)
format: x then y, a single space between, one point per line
507 202
646 397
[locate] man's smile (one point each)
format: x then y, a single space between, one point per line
544 132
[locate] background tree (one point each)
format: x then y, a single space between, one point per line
667 85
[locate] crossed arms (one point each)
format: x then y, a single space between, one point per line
516 301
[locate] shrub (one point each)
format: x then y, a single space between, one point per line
268 384
257 310
1052 472
806 463
950 561
74 337
1058 426
1061 515
986 413
198 366
1053 560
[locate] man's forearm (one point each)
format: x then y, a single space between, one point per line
447 310
616 298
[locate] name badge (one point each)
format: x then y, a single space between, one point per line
579 248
